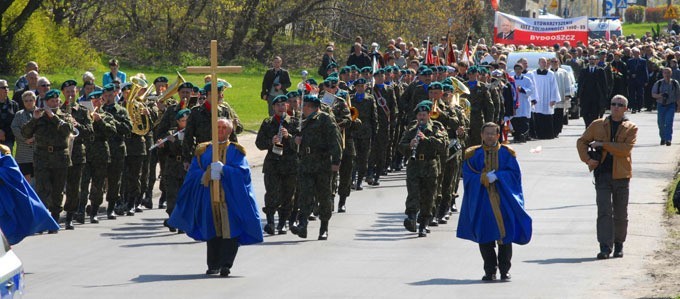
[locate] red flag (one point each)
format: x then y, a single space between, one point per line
450 55
494 4
429 59
466 51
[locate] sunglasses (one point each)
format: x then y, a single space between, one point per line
618 105
4 87
46 85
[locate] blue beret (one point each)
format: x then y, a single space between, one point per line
292 94
109 87
424 106
94 95
68 83
425 72
448 87
182 113
208 86
52 93
279 98
366 69
308 98
436 86
360 81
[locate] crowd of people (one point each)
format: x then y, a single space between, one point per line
379 113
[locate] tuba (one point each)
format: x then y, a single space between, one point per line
141 124
172 89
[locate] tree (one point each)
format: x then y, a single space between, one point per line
9 31
244 21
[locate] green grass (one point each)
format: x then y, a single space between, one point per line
244 96
641 28
670 209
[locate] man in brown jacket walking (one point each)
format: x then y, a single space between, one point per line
606 147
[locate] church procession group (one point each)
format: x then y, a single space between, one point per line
442 118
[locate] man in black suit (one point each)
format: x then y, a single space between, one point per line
592 91
276 82
507 30
359 58
637 79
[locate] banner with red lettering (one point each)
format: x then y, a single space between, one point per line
509 29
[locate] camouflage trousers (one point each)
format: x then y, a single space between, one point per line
421 193
345 177
363 148
97 173
449 170
114 170
73 179
132 177
279 191
315 188
49 185
171 183
379 152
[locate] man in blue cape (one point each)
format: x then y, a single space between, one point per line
230 221
493 203
22 213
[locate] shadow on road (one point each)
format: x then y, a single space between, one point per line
446 281
563 261
289 242
158 244
174 277
560 207
387 227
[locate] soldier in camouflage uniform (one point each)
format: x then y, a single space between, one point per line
199 123
342 180
481 106
365 104
279 167
386 104
400 120
294 111
423 143
415 93
173 170
83 123
320 155
51 129
114 169
151 160
495 91
136 154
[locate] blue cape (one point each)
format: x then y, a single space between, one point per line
476 221
21 211
193 211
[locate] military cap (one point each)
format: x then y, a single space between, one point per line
473 70
208 86
448 81
425 105
52 93
109 87
354 68
333 75
125 86
196 89
331 65
483 70
330 80
379 72
345 70
425 72
435 86
360 81
311 81
161 79
448 87
68 83
292 94
308 98
94 95
182 113
201 91
421 67
342 94
279 98
403 72
366 69
186 85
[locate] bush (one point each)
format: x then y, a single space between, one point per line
654 14
635 14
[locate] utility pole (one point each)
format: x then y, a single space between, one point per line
604 8
559 8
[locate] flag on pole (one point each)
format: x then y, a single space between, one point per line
429 59
494 4
467 57
450 55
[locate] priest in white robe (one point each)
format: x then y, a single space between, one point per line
546 96
524 89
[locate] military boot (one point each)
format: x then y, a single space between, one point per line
302 228
269 227
410 223
110 211
79 217
291 222
341 204
323 230
422 229
93 215
376 180
161 201
147 202
359 181
281 227
68 223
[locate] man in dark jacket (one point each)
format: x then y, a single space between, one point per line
592 91
276 82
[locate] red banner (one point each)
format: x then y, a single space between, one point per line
511 29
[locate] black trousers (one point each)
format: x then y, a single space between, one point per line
221 253
520 126
544 126
589 118
491 260
558 121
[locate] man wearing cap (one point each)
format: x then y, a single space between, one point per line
8 108
415 93
81 120
294 109
113 73
358 57
276 82
199 123
51 129
422 143
280 164
346 125
320 155
481 105
380 146
365 104
98 156
117 148
592 91
173 171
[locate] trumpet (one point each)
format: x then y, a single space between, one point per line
435 113
415 147
277 148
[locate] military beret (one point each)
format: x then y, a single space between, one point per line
360 81
68 83
331 65
403 72
395 69
333 74
196 89
354 68
292 94
425 72
435 86
330 81
366 69
308 98
186 85
201 91
279 98
125 86
161 79
52 93
379 72
182 113
421 67
109 87
345 70
311 81
473 70
94 95
448 87
483 70
424 106
448 81
342 94
208 86
436 69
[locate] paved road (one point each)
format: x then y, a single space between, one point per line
369 254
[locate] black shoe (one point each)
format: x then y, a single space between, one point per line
618 250
302 231
147 203
506 276
111 216
130 212
422 229
161 206
79 217
138 210
52 232
663 142
442 220
172 229
489 277
668 143
294 229
358 186
370 180
410 224
269 229
323 231
225 272
94 219
68 223
311 218
341 204
212 272
605 251
180 232
433 222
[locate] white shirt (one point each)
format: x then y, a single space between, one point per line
545 92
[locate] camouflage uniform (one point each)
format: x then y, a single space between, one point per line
449 160
343 180
135 147
481 111
199 126
279 170
78 155
422 171
380 146
98 157
149 162
458 157
50 158
173 170
364 133
114 169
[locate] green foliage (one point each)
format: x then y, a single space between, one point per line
638 29
635 14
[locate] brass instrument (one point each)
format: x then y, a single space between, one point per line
141 124
277 148
171 91
353 111
413 149
435 113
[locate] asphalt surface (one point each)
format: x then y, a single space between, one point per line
369 254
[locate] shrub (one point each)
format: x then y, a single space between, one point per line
635 14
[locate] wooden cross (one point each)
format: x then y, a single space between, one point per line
213 70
